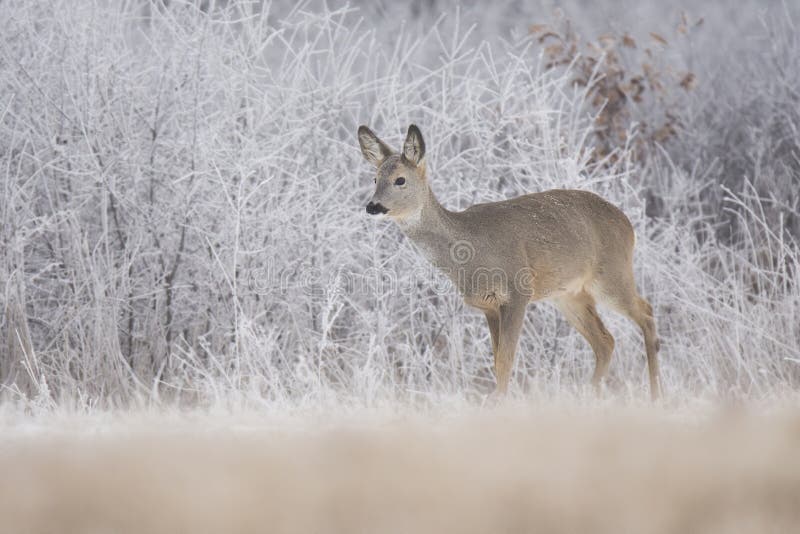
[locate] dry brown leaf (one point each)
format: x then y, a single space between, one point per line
689 81
593 48
628 41
635 88
658 38
538 28
616 95
607 40
664 133
554 50
546 35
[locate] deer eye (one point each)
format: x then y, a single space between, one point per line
400 181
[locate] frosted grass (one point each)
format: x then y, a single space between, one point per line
183 217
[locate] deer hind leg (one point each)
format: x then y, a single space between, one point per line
623 297
644 319
641 312
580 311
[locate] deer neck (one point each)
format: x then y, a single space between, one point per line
432 228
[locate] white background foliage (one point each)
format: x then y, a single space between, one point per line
183 198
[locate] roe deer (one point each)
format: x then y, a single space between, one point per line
567 246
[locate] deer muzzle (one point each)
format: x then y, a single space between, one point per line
375 208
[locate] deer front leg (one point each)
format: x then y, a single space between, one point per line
493 319
511 316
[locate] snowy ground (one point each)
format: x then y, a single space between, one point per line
573 469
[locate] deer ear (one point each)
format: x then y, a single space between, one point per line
374 150
414 147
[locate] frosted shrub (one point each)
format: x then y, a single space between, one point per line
183 216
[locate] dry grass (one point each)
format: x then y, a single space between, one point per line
502 471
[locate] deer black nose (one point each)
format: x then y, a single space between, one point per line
374 208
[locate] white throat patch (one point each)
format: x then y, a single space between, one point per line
409 221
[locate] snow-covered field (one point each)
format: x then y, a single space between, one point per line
593 469
195 306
